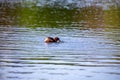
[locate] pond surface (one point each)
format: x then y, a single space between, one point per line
89 33
83 54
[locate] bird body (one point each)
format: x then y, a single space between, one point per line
50 39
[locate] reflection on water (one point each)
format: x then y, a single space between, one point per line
83 54
90 47
60 13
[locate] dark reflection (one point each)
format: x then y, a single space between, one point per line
60 13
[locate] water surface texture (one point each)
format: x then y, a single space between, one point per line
89 47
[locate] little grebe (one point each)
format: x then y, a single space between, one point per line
50 39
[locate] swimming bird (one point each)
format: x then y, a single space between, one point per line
50 39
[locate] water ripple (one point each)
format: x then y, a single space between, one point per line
82 52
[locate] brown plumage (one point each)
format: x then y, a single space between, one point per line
50 39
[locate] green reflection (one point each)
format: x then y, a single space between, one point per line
30 15
112 16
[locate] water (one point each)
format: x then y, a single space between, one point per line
82 54
89 47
